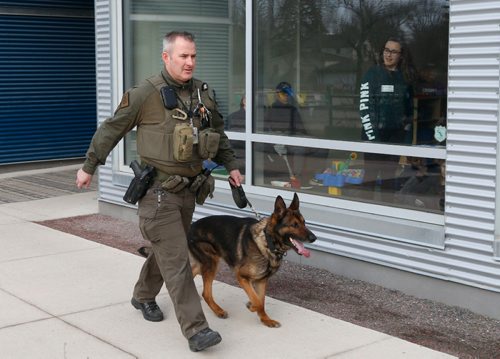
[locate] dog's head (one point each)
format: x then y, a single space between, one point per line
288 227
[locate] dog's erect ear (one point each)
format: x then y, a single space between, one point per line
279 206
295 203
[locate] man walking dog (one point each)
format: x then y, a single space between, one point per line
178 126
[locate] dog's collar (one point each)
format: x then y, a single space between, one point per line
272 247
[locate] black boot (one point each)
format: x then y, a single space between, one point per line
150 310
204 339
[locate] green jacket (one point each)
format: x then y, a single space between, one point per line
142 106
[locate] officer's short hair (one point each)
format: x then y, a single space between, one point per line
170 38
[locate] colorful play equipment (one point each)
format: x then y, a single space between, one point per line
339 174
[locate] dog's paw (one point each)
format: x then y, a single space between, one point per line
251 307
271 323
223 314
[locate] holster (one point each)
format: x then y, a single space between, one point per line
140 183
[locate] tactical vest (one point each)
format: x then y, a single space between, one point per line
155 132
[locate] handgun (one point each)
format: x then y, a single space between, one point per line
143 178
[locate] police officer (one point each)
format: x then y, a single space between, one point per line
173 113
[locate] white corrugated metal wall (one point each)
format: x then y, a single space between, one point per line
104 82
473 101
471 160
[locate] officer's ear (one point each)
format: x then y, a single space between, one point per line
165 57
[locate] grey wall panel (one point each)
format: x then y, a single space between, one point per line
104 78
473 101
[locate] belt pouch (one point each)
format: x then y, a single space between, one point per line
174 184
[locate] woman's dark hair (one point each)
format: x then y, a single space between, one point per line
405 64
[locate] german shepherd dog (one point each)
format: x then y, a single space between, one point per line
253 249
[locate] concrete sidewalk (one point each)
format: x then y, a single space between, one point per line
65 297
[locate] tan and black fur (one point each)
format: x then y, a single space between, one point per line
253 250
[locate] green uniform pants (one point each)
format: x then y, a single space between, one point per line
164 219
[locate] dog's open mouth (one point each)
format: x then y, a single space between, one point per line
299 248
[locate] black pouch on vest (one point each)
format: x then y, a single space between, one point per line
168 97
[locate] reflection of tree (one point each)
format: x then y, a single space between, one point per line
429 28
365 25
292 29
303 33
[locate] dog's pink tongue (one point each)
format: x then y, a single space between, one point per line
301 249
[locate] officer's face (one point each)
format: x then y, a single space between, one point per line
180 62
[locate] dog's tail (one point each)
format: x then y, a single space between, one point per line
144 251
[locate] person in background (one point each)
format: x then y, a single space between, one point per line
236 120
160 108
283 115
283 118
386 112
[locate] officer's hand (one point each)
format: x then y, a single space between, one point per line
83 179
237 177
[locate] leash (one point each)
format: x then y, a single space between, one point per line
240 198
241 201
253 210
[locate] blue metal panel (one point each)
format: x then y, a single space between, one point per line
47 4
47 87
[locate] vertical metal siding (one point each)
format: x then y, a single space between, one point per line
104 86
474 83
47 87
473 102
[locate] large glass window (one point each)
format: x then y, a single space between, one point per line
369 73
348 96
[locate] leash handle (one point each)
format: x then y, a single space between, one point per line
240 198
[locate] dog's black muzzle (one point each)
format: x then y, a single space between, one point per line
311 237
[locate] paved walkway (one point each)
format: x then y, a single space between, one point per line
62 296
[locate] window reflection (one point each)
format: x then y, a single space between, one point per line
236 120
398 181
283 115
324 48
358 71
